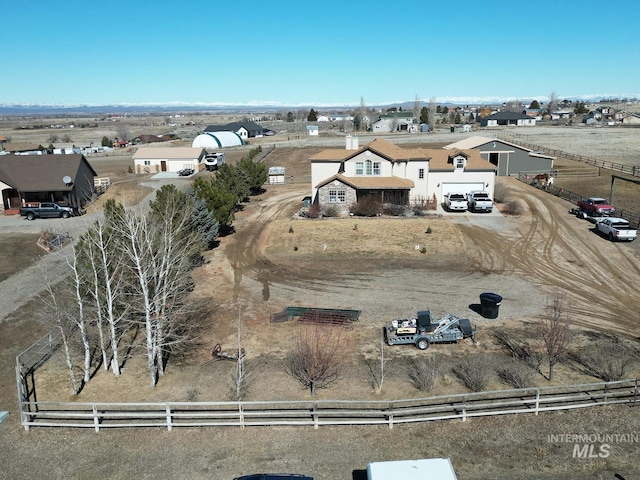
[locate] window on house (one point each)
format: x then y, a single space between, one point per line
368 168
147 162
337 196
376 168
421 173
459 163
359 168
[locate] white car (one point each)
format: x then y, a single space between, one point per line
455 202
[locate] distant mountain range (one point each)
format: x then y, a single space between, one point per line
9 109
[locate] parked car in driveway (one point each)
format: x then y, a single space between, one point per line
47 210
479 201
616 229
185 172
455 202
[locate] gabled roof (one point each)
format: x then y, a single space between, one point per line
477 141
169 153
371 182
235 126
381 147
508 116
442 160
41 173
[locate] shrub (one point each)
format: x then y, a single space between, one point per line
314 210
609 359
514 207
517 374
501 192
366 207
424 373
393 210
475 373
330 211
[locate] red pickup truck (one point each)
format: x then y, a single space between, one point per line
595 207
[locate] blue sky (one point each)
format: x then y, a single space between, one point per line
321 52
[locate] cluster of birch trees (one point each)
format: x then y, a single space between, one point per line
129 283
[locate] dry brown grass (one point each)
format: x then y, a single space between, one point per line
360 236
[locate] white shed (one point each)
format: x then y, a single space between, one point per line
215 140
276 175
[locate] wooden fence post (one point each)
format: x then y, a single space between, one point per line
537 400
390 415
168 413
96 420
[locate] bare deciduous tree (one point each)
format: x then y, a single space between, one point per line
552 104
57 313
433 112
243 371
417 106
555 330
317 356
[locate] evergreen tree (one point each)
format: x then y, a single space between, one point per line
313 116
534 105
424 115
255 173
290 117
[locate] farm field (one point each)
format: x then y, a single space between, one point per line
256 271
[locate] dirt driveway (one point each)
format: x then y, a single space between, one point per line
337 265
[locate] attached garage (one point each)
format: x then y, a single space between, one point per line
465 188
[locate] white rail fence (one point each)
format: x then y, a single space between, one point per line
316 413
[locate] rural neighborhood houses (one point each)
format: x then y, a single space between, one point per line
65 179
395 122
395 175
508 158
168 159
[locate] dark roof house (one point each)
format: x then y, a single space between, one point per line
244 129
66 179
507 118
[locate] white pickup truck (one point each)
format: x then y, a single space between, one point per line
479 201
455 201
616 229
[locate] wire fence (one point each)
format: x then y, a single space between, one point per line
613 166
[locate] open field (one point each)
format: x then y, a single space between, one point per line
256 272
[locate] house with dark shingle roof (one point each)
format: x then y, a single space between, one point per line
41 178
243 129
507 118
395 175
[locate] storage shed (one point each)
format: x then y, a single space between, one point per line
276 175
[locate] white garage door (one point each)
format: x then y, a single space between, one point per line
460 187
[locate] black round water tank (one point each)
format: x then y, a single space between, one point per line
490 304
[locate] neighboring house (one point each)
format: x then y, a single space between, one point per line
65 179
507 118
536 113
168 159
395 175
322 118
243 129
153 138
23 148
395 122
312 130
507 157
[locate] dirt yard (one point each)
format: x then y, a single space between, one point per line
372 265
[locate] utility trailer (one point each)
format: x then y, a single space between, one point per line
421 331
